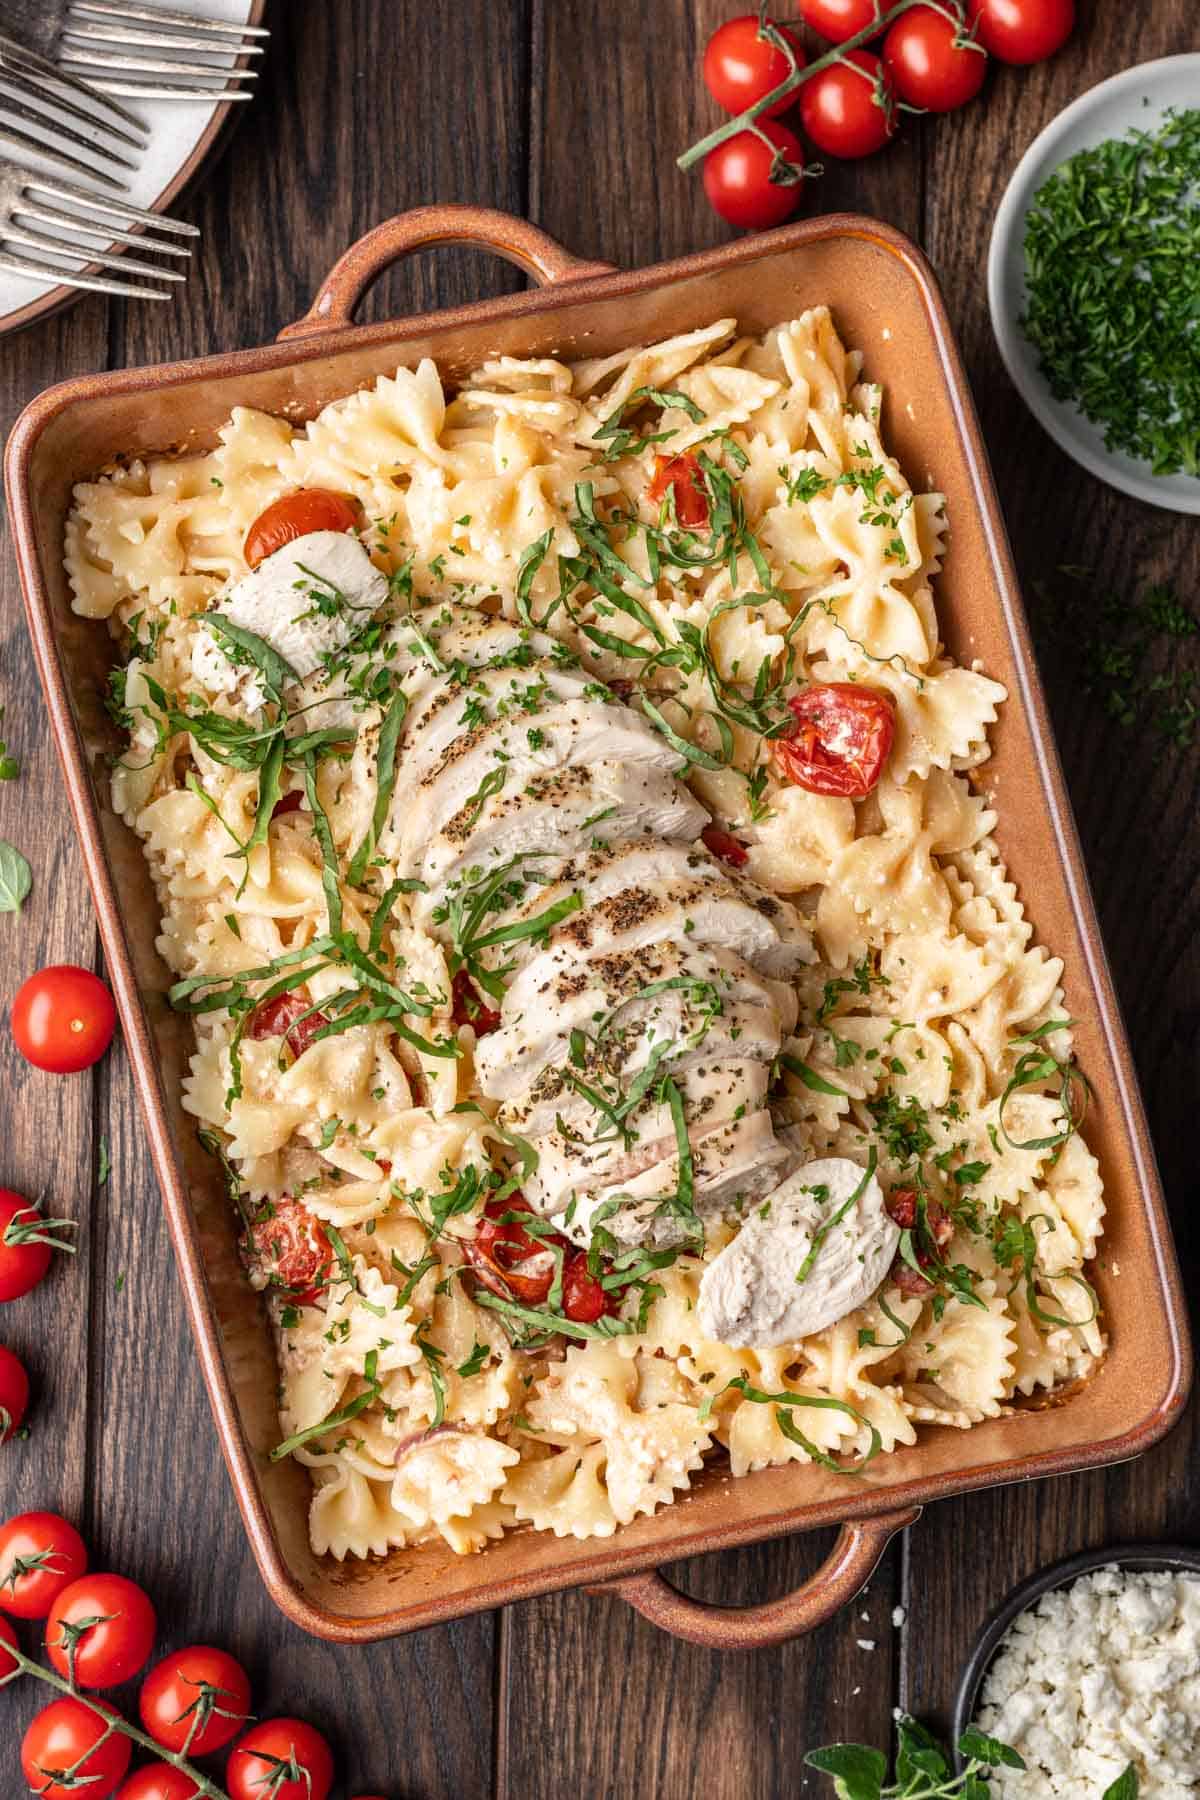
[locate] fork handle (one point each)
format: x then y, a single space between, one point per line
514 239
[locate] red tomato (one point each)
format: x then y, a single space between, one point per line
159 1781
840 741
741 65
289 803
61 1736
63 1019
40 1555
284 1017
26 1240
195 1700
848 109
838 20
584 1300
931 62
507 1258
737 176
682 476
470 1008
295 516
101 1629
14 1394
726 846
291 1247
283 1759
901 1205
1022 31
7 1636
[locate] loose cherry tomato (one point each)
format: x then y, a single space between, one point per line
508 1259
14 1394
195 1700
584 1299
931 61
848 109
63 1019
101 1631
901 1205
289 803
290 1246
282 1759
295 516
682 476
159 1781
737 176
838 20
1022 31
7 1636
841 739
61 1736
284 1017
725 845
470 1008
26 1240
741 65
40 1555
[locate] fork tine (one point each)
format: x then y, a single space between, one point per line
58 134
55 215
110 61
100 284
106 206
15 234
27 62
55 97
140 90
91 32
162 15
25 145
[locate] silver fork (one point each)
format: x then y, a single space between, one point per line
119 49
36 209
47 113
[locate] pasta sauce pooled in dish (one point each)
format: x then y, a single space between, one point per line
611 1007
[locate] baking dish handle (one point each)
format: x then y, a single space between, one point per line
514 239
842 1575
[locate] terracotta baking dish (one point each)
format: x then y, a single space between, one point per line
886 302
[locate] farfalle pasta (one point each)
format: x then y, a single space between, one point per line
571 846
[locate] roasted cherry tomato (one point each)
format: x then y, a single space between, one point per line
158 1781
737 176
584 1299
932 62
741 65
725 845
290 1246
682 476
838 20
195 1700
282 1759
27 1238
902 1207
289 803
1022 31
60 1738
14 1393
840 741
63 1019
470 1008
40 1555
101 1631
848 109
284 1017
508 1259
295 516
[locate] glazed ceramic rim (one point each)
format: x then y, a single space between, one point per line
1134 1558
1073 434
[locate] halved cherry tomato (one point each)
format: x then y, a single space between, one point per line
682 476
195 1700
1022 31
931 61
282 1759
14 1393
40 1555
60 1737
470 1009
848 109
291 1248
741 65
289 803
7 1636
284 1017
295 516
63 1019
158 1781
841 739
507 1258
737 175
584 1300
725 845
101 1629
901 1205
838 20
26 1242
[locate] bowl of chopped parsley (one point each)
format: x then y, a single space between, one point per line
1094 281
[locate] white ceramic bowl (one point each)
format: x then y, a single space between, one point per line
1137 98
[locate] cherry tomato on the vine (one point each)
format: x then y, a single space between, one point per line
723 844
63 1019
849 108
14 1393
932 62
737 176
839 19
7 1636
288 1244
840 741
158 1781
1022 31
195 1700
295 516
741 65
26 1242
40 1555
683 477
283 1758
101 1629
61 1736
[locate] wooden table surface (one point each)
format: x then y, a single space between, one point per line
570 112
